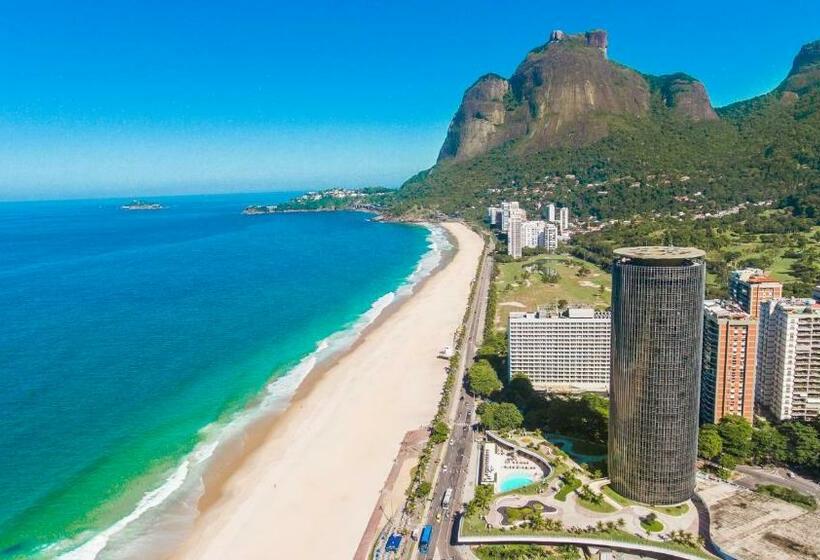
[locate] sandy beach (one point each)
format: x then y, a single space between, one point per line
308 489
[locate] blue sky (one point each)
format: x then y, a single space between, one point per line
130 98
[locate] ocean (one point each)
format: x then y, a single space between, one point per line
133 342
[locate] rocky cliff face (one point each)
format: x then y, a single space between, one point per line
685 96
805 72
561 95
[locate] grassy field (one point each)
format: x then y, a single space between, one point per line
521 286
771 246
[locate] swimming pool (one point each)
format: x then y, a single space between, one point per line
514 481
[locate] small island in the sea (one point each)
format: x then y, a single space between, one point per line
142 205
371 198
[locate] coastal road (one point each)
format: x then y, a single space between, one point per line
752 476
455 465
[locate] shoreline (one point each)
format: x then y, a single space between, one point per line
239 473
204 470
255 433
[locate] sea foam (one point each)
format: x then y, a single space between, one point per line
164 514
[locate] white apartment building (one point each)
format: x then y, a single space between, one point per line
788 363
561 351
507 208
535 233
514 232
551 212
550 237
532 233
563 219
494 214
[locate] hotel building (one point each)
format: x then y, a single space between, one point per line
727 383
750 287
788 365
564 351
657 333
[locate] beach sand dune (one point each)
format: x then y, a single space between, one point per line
307 491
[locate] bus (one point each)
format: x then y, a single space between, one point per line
424 539
445 500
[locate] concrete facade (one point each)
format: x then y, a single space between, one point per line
788 365
729 362
561 351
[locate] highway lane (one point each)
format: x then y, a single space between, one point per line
455 465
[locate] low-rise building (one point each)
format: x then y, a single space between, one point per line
561 351
727 383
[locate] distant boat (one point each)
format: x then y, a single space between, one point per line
141 205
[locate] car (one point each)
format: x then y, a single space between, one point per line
452 441
444 468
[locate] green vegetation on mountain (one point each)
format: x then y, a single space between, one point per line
639 145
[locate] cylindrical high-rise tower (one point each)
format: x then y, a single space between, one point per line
657 326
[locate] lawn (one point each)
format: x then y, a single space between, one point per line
676 511
565 490
603 507
653 526
522 288
617 498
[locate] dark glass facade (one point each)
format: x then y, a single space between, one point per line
657 325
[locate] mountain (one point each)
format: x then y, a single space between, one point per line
574 127
561 94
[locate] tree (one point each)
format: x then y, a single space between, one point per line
500 416
482 379
710 445
728 462
440 432
804 444
736 433
562 303
769 445
482 498
423 489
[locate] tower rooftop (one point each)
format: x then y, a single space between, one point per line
660 254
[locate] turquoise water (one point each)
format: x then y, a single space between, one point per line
124 334
514 482
568 446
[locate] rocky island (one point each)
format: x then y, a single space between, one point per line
141 205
